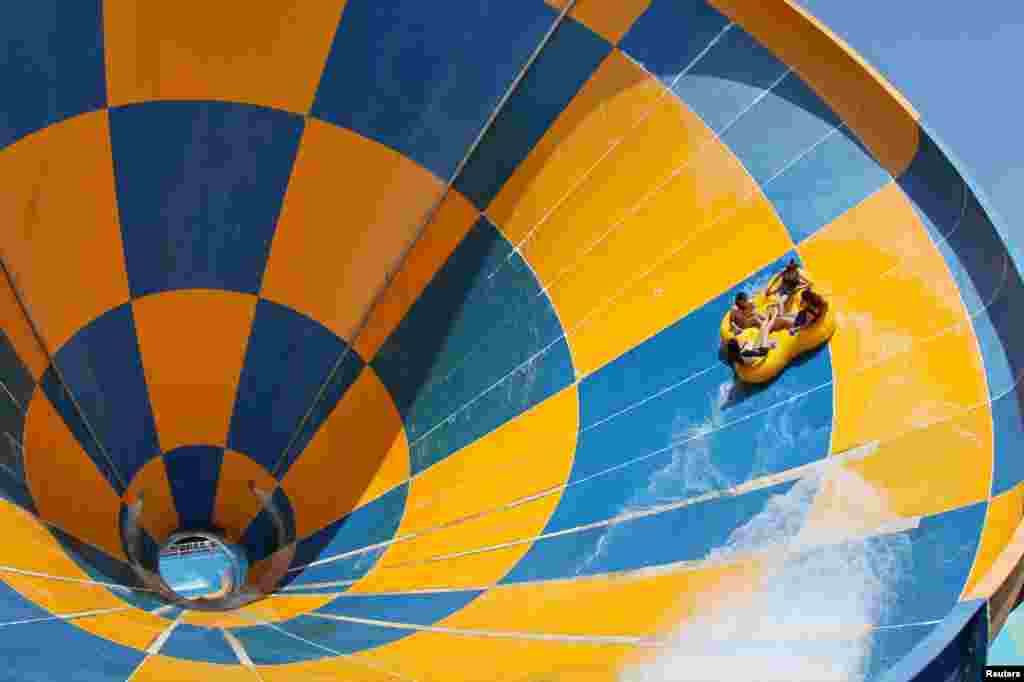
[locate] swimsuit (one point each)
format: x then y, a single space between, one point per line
807 316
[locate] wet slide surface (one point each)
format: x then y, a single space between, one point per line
446 288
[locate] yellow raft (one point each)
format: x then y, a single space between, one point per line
787 346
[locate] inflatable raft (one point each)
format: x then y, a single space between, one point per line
787 346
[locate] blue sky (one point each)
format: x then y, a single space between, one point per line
960 65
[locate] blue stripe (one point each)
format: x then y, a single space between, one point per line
561 69
373 523
954 650
675 354
14 607
343 637
18 382
833 178
670 35
466 333
786 123
261 536
11 432
199 187
417 609
199 644
711 453
98 565
53 66
888 647
673 402
351 366
1008 425
288 358
14 489
932 564
269 646
421 81
727 80
660 539
57 650
978 260
935 187
990 286
13 372
103 369
193 472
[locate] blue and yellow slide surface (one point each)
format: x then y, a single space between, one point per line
447 282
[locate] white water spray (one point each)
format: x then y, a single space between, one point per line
825 586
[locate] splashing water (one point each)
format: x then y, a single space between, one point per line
689 473
823 587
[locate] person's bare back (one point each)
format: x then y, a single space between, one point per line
744 314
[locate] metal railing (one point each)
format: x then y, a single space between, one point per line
189 548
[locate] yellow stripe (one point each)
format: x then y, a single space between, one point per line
930 470
273 610
82 504
454 218
892 372
358 453
159 513
18 330
711 258
504 466
593 219
1001 522
637 168
133 627
629 605
328 670
235 505
29 546
611 20
606 108
43 199
861 96
193 345
329 259
167 669
464 572
461 658
270 53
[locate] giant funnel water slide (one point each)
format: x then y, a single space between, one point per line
417 303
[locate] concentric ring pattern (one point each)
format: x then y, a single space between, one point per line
443 286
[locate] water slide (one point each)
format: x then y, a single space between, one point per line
418 303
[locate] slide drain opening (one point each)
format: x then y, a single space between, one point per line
202 566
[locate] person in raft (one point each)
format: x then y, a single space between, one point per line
748 352
813 307
744 315
787 286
